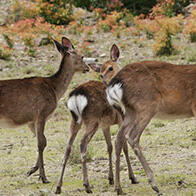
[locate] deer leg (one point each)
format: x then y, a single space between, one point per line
107 136
133 137
32 128
41 146
36 167
73 132
119 143
130 170
90 131
41 142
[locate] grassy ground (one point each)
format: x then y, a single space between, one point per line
169 146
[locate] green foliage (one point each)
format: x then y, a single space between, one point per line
107 5
127 18
29 42
136 7
8 41
168 27
169 8
5 54
23 10
57 12
139 6
179 5
193 36
167 47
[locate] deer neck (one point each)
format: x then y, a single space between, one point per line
62 78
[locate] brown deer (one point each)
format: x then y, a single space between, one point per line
88 104
32 100
145 90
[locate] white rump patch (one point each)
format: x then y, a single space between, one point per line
115 94
76 104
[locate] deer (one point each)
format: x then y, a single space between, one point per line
88 105
32 100
146 90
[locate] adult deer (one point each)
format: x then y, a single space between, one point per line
32 100
88 104
145 90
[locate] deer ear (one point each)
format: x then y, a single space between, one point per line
95 67
67 43
114 52
59 47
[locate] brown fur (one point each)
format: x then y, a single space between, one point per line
152 89
97 113
32 100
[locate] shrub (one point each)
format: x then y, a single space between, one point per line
169 7
57 12
162 29
163 37
139 6
127 18
107 5
85 49
111 21
34 27
5 52
163 43
23 10
190 27
150 27
74 28
193 36
8 40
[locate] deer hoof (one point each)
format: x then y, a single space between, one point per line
58 190
119 191
89 191
44 180
32 170
87 188
134 181
155 188
111 181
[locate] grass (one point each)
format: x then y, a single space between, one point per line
169 146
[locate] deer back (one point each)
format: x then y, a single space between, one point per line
167 88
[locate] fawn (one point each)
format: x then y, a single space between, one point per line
32 100
88 104
145 90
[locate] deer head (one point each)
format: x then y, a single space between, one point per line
108 69
66 48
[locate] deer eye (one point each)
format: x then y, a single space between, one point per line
110 69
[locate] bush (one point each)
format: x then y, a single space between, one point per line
163 43
107 5
23 10
111 22
163 37
9 41
139 6
193 36
190 27
169 8
57 12
5 52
